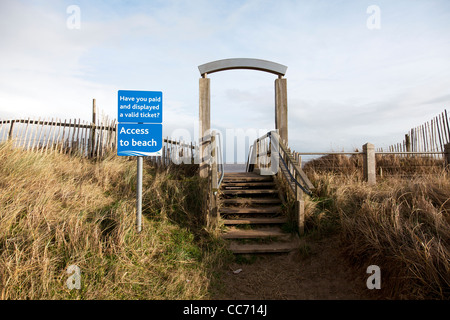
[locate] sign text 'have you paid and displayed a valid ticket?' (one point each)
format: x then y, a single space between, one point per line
140 123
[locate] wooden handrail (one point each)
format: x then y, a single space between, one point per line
294 164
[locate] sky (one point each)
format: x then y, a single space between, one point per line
354 74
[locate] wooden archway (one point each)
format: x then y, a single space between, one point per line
281 119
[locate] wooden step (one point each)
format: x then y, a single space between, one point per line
234 233
250 191
247 178
241 174
278 220
255 210
241 184
276 247
251 201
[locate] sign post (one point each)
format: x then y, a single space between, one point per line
139 133
139 194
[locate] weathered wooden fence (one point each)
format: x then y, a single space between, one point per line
429 137
84 139
68 136
373 164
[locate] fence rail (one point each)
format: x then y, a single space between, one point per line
372 164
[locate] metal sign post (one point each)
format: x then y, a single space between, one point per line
140 161
139 133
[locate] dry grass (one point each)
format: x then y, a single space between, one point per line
57 210
401 225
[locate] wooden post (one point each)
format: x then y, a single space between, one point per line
205 122
257 166
213 212
164 151
281 112
407 143
92 140
447 155
299 206
369 163
10 133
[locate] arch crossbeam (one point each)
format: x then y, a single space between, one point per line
242 63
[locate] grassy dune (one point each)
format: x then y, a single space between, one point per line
401 225
57 210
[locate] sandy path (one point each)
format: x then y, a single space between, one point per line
321 275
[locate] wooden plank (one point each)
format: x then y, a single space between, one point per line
48 137
242 184
436 122
278 247
448 127
250 191
25 134
248 179
251 201
18 132
54 134
85 139
100 153
63 137
244 210
36 141
279 220
444 135
54 144
425 145
40 133
241 174
419 140
430 137
234 233
3 127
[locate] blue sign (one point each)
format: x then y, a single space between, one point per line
139 132
139 106
143 139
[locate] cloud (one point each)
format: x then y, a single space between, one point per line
346 84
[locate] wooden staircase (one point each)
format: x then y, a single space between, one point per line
250 210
